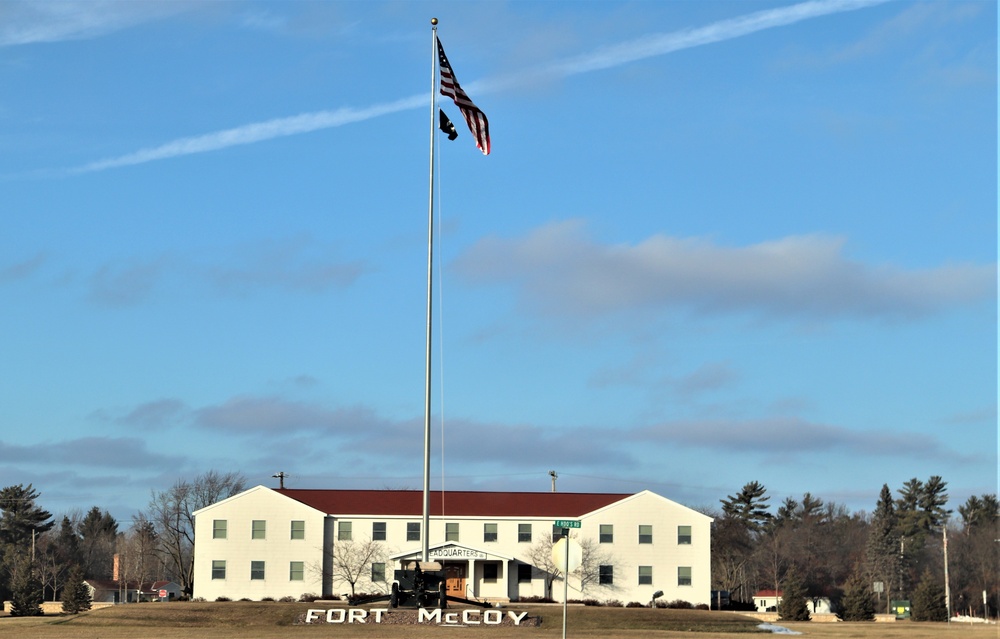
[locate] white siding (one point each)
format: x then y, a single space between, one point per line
626 554
277 550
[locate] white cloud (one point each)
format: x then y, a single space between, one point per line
256 132
557 269
30 21
608 57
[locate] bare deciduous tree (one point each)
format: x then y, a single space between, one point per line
172 514
351 562
593 556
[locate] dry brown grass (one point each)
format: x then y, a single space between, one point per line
254 620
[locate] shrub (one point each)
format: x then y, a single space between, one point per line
267 598
536 599
680 604
635 604
591 602
287 599
702 607
223 599
246 599
612 603
308 597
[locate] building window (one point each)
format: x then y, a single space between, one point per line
256 570
219 529
524 533
607 534
491 572
606 575
524 573
557 533
378 531
684 535
344 531
218 569
645 534
258 529
296 570
298 529
413 531
684 575
378 572
489 532
451 531
645 575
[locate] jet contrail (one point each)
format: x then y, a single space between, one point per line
604 58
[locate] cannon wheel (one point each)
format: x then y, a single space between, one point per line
394 596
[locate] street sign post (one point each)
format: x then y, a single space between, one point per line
566 524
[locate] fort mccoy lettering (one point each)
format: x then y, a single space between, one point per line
469 617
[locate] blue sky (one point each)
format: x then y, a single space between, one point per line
715 242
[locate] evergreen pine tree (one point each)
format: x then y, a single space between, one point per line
26 590
749 506
882 548
793 605
928 600
21 518
76 595
857 604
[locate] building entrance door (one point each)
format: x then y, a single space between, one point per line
455 576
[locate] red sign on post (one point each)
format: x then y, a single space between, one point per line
163 594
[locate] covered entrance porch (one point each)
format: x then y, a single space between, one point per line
471 573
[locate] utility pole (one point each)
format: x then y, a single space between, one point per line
947 585
554 477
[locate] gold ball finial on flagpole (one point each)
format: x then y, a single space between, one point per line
434 21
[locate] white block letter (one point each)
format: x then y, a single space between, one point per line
493 617
312 615
517 617
426 615
357 615
335 611
469 619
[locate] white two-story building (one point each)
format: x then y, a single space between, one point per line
493 546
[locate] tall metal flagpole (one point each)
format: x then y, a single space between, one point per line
425 537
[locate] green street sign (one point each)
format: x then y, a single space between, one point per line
567 523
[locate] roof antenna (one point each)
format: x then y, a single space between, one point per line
281 479
554 477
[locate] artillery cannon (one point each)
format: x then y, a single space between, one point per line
418 584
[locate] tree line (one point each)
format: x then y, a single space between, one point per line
804 546
861 560
42 559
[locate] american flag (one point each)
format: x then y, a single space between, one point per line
475 118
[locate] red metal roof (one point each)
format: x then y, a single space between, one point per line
409 503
